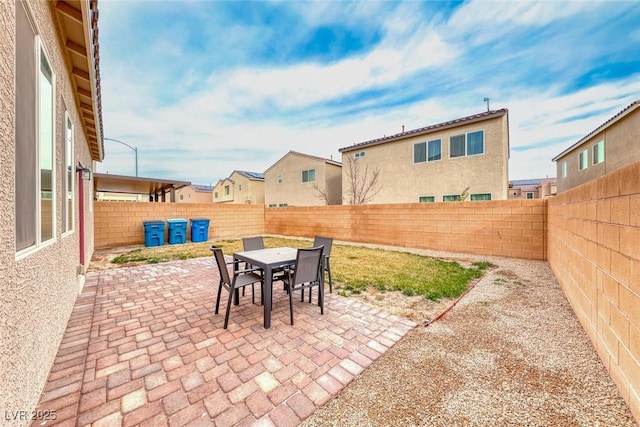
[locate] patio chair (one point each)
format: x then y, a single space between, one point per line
307 274
241 279
327 242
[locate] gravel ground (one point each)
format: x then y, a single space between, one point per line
510 352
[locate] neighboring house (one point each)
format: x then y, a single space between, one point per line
438 162
194 194
532 188
50 137
612 145
240 187
303 180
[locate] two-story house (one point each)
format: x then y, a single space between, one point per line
612 145
240 187
298 179
50 138
532 188
442 162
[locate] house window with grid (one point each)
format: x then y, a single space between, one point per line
427 199
35 131
451 198
227 190
583 160
598 152
309 175
457 146
529 195
481 196
279 179
358 154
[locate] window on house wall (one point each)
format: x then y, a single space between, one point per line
564 169
451 198
239 187
475 143
583 160
427 199
273 205
34 148
279 179
434 150
227 190
456 146
358 154
480 196
69 173
215 195
182 197
283 205
309 175
598 152
529 195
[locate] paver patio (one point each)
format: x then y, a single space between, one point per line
144 347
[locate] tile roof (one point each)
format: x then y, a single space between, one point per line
251 175
627 110
485 115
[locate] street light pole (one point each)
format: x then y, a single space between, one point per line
135 149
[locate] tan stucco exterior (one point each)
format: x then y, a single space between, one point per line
284 186
194 194
38 287
533 189
240 187
621 136
403 181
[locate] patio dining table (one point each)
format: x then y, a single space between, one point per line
269 260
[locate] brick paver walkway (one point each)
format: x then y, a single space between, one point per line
144 347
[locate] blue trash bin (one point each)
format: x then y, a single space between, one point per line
177 231
153 233
199 229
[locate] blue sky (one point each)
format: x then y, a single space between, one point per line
202 88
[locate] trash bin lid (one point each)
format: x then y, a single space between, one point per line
177 220
153 221
200 219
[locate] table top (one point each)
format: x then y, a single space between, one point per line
268 256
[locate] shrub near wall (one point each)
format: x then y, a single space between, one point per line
121 223
594 251
513 228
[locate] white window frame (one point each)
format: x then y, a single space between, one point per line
596 152
466 144
40 243
583 159
68 179
227 190
529 193
308 171
471 197
358 154
564 169
433 199
456 197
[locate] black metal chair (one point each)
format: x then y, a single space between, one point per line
327 242
307 274
241 278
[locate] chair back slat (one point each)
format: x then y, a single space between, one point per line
252 243
307 265
327 242
222 266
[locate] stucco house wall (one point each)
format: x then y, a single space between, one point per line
39 286
403 181
244 188
194 194
620 134
284 186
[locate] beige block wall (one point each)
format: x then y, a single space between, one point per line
292 191
38 289
594 251
505 228
404 181
121 223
